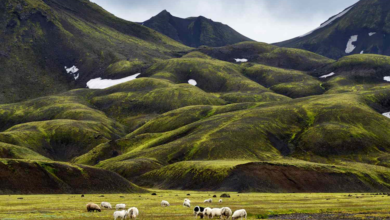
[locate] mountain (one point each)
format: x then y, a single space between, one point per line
194 31
51 46
361 28
243 117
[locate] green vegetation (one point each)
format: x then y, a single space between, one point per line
259 206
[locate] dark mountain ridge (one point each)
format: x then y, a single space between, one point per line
194 31
361 28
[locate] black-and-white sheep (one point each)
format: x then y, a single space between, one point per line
198 211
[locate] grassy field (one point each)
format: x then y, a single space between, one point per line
258 205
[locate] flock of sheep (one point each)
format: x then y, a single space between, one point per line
223 213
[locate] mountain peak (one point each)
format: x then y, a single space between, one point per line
191 32
164 12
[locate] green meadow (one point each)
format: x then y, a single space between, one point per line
258 205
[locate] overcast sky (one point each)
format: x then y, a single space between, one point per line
262 20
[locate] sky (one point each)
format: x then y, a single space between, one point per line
267 21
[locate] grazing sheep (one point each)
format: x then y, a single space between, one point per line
187 204
106 205
216 212
239 214
208 201
120 214
133 212
198 211
120 206
164 203
92 207
207 212
226 213
187 200
220 201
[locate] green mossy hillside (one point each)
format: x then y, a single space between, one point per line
267 54
41 38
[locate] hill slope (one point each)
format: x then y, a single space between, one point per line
361 28
194 31
42 39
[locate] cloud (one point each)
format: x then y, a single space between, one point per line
262 20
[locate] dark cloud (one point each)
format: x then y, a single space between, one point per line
262 20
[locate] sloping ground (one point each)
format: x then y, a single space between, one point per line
285 176
43 177
41 38
194 31
267 54
360 28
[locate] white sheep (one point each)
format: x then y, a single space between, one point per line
164 203
133 212
220 201
208 201
120 206
216 212
239 214
207 212
120 214
187 204
226 213
187 200
106 205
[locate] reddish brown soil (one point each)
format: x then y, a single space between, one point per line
20 177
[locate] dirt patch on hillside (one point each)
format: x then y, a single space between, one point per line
265 177
37 177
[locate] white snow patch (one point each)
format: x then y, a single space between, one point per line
371 34
387 114
192 82
243 60
100 83
350 46
73 71
326 76
386 78
362 52
330 21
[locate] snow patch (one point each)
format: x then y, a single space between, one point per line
243 60
100 83
362 52
192 82
371 34
330 21
326 76
387 78
387 114
73 71
350 46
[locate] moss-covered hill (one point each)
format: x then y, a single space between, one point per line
368 21
272 120
194 31
39 38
